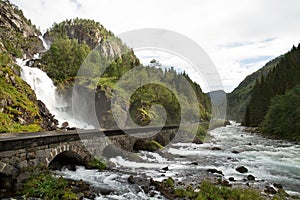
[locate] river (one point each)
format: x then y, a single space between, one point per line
269 161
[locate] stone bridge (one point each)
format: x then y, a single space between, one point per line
19 152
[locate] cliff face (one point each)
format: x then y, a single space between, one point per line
19 109
89 32
18 37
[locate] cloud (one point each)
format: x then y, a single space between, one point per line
77 3
239 36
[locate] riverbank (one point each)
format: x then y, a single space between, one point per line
231 157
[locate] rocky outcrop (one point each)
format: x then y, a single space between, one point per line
48 121
18 37
87 31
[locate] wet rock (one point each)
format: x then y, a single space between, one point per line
89 195
145 188
165 168
227 123
270 190
83 186
194 163
231 179
215 171
103 191
216 149
250 177
249 144
235 152
278 186
163 187
49 122
224 183
242 169
197 140
142 145
131 180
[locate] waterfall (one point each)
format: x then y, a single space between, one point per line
45 43
46 92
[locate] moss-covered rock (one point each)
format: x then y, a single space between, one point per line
19 109
95 163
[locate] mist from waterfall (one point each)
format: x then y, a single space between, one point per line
46 91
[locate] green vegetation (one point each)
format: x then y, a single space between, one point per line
239 98
96 164
154 145
64 58
273 115
208 190
45 186
18 112
283 116
170 182
71 44
18 36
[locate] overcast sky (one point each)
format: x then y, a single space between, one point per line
239 36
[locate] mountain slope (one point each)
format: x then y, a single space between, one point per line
283 78
239 98
19 109
71 44
18 37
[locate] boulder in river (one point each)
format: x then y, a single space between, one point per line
131 180
278 186
250 177
194 163
216 149
197 140
165 168
215 171
241 169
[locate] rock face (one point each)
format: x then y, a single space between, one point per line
18 36
49 122
96 35
19 109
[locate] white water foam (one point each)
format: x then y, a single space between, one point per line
46 92
45 43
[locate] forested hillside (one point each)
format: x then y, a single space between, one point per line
274 100
73 40
239 98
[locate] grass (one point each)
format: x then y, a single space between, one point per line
15 99
45 186
208 190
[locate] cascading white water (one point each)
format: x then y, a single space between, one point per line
45 43
46 92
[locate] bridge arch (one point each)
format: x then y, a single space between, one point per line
66 153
